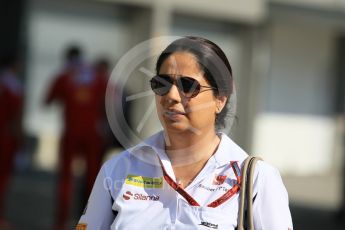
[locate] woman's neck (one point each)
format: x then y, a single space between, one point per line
190 148
189 154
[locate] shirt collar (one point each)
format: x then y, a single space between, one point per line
155 142
227 150
148 149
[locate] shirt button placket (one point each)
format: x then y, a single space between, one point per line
174 213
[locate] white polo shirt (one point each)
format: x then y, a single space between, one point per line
132 192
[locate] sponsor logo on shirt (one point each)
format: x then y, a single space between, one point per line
209 225
144 182
139 196
212 189
218 179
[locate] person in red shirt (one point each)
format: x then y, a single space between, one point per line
11 102
81 92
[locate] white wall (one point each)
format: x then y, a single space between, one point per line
296 128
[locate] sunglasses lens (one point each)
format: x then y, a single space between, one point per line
190 86
161 84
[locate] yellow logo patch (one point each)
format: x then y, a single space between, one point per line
144 182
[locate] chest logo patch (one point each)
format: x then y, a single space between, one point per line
218 179
144 182
139 196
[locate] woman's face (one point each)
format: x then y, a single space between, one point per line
178 113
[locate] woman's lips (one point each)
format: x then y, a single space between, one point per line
174 114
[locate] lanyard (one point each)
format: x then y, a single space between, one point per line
226 196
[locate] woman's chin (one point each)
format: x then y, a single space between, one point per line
180 127
176 126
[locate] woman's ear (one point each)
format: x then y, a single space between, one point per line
220 103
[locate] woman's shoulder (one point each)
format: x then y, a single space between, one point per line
230 150
112 162
139 152
266 169
267 178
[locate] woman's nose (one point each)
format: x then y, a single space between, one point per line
174 94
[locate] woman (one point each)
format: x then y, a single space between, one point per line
185 177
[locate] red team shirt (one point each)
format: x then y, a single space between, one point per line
82 93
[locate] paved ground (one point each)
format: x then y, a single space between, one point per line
31 202
30 206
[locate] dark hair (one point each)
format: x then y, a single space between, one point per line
212 61
73 52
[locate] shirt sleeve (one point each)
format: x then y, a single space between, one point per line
98 214
271 205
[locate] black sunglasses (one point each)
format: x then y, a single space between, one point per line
189 87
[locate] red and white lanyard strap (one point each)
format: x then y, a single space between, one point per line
226 196
215 203
177 187
237 171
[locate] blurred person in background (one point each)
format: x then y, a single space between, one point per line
11 106
81 91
